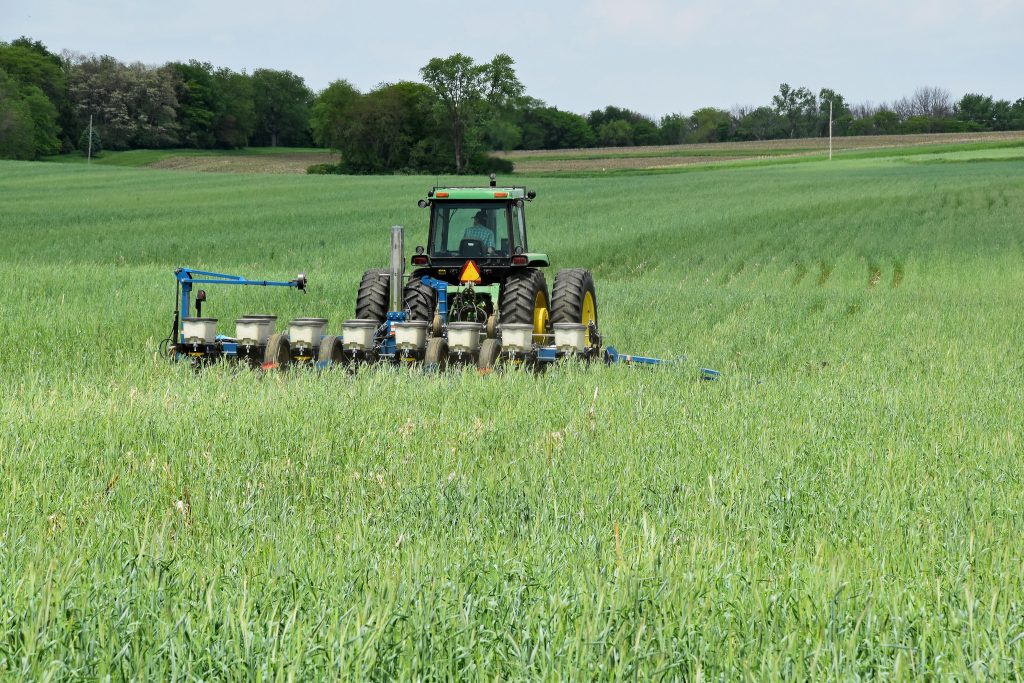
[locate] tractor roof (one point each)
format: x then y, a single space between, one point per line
479 193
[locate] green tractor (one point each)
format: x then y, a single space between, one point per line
478 260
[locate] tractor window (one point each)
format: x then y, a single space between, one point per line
470 229
517 228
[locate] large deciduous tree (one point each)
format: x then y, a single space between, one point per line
550 128
17 130
709 125
331 114
198 102
469 93
391 129
798 107
762 123
235 121
133 106
215 106
281 101
40 76
842 117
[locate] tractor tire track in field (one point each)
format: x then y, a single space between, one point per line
824 272
897 273
874 274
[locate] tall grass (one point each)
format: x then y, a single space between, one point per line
846 503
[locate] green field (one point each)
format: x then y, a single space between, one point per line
847 502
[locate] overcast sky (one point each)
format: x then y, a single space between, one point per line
653 56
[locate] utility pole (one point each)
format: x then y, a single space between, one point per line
830 130
88 158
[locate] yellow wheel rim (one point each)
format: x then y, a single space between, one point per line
540 314
589 312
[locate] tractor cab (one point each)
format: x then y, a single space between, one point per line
484 224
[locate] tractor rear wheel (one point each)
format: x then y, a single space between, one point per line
331 350
573 299
372 299
419 299
523 298
489 351
436 356
278 353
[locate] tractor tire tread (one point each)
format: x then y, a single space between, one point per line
419 299
518 293
372 298
567 294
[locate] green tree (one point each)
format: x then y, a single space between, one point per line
45 131
551 128
642 129
391 129
281 101
198 103
798 107
331 114
645 132
502 132
616 133
886 121
133 106
674 128
977 109
469 94
1002 117
709 125
1015 115
235 120
89 143
842 117
17 130
763 123
32 65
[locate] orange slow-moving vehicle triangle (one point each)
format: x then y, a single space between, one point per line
470 273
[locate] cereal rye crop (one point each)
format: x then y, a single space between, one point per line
845 503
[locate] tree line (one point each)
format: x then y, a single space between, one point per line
449 121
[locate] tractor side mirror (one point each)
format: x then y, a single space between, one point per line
423 203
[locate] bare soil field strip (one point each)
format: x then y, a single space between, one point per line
838 143
602 158
248 163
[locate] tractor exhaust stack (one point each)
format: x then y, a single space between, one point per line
397 266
